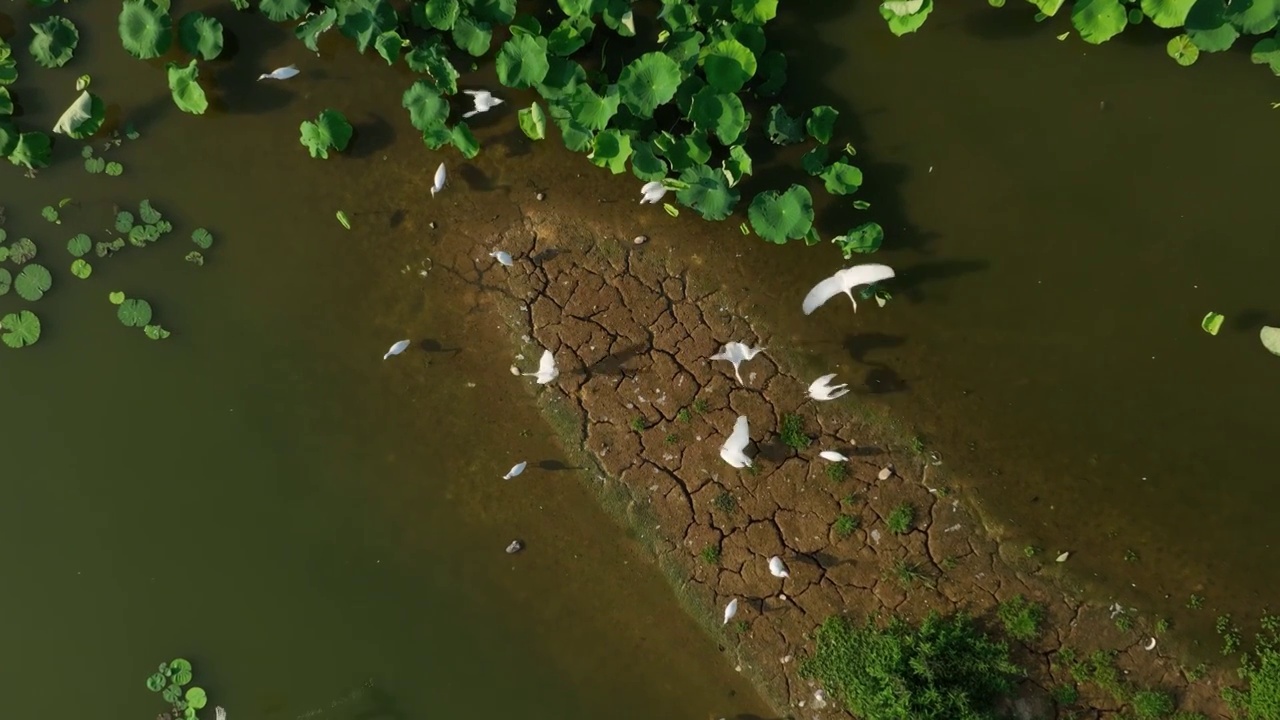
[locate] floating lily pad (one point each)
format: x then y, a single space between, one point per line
156 682
1168 13
610 149
728 65
1098 21
866 238
432 59
315 25
156 332
113 168
32 282
22 251
202 238
648 82
200 35
779 217
784 129
185 88
1182 50
196 697
1208 27
591 110
428 111
1269 336
330 130
20 329
195 258
522 61
134 312
95 165
6 281
841 178
124 221
707 191
533 122
1265 52
472 35
719 113
906 16
821 122
147 213
438 14
172 693
737 165
757 12
116 298
815 161
81 268
464 140
1212 323
181 668
80 245
55 41
281 10
145 29
388 45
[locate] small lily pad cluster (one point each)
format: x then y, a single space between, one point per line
1204 26
136 312
173 681
95 164
146 31
30 282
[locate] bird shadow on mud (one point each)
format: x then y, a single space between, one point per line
545 255
555 465
615 363
513 142
773 450
435 346
880 378
475 178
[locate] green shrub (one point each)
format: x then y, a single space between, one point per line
946 669
1152 704
1261 670
901 519
792 432
1021 618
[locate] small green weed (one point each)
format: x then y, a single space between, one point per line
711 554
1261 670
837 472
949 562
1152 704
1229 633
1124 623
916 444
638 424
910 573
700 406
1031 551
1065 694
1021 618
671 439
684 415
844 526
1098 669
1162 626
792 432
850 499
1195 602
740 627
1197 672
901 519
725 502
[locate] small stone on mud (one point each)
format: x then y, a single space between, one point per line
432 224
886 473
541 196
641 239
515 547
1063 557
515 370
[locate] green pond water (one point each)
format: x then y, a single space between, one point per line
322 533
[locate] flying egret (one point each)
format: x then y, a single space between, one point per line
397 349
822 389
439 181
844 281
777 568
730 610
484 101
503 258
282 73
547 370
652 191
733 449
833 456
515 470
736 352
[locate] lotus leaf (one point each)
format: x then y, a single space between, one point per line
718 113
758 12
685 151
33 282
784 129
147 213
195 258
315 25
22 251
171 694
134 312
181 669
6 102
427 110
1182 50
728 65
185 88
815 161
577 8
464 140
678 15
329 130
866 238
685 47
156 332
81 268
20 329
50 213
1208 27
1265 52
200 35
8 137
31 151
648 82
6 281
905 16
576 137
388 45
707 191
1254 17
1168 13
841 178
156 682
472 35
8 66
526 25
431 58
522 61
145 29
645 164
117 298
83 118
590 110
779 217
80 245
737 165
570 36
438 14
619 18
821 122
610 149
196 697
281 10
1098 21
1269 336
533 121
563 77
55 41
496 12
202 238
1211 323
124 221
365 20
688 89
114 169
437 137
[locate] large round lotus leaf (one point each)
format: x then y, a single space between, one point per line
563 77
570 36
281 10
55 41
815 161
1098 21
196 697
145 29
1208 27
6 281
388 44
1265 52
533 121
648 82
32 151
718 113
685 47
576 137
80 245
22 251
147 213
757 12
33 282
619 18
134 312
1270 338
200 35
329 130
496 12
83 117
1182 50
707 191
1254 17
866 238
590 110
522 61
906 16
472 35
185 88
173 693
432 59
782 128
779 217
1167 13
438 14
427 110
610 149
678 15
841 178
9 137
1047 7
364 21
20 329
315 25
645 164
821 123
728 65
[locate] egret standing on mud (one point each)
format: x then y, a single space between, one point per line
484 101
844 281
736 352
777 568
515 470
396 349
547 370
733 451
438 185
503 258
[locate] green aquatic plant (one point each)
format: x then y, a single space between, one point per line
1270 338
1152 704
20 329
901 518
54 42
22 251
200 35
6 278
145 29
202 238
32 282
725 502
1212 323
330 130
32 151
185 88
342 218
711 554
779 217
195 258
173 681
81 268
134 312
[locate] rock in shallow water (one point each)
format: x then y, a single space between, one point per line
515 547
641 239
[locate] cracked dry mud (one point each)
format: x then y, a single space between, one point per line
632 328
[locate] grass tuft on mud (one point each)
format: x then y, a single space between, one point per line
944 668
1261 670
1021 618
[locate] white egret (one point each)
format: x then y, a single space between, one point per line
439 181
730 610
652 191
736 352
515 470
1151 644
219 713
833 456
1063 557
733 451
822 389
777 568
547 370
484 102
397 349
502 257
282 73
844 281
75 115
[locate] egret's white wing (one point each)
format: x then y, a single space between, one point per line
547 368
650 186
75 115
822 292
476 93
439 180
865 274
502 257
821 384
777 568
733 451
730 610
219 713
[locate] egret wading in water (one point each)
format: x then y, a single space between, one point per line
515 470
652 191
733 451
547 370
438 184
844 281
282 73
484 102
503 258
736 352
397 349
822 389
